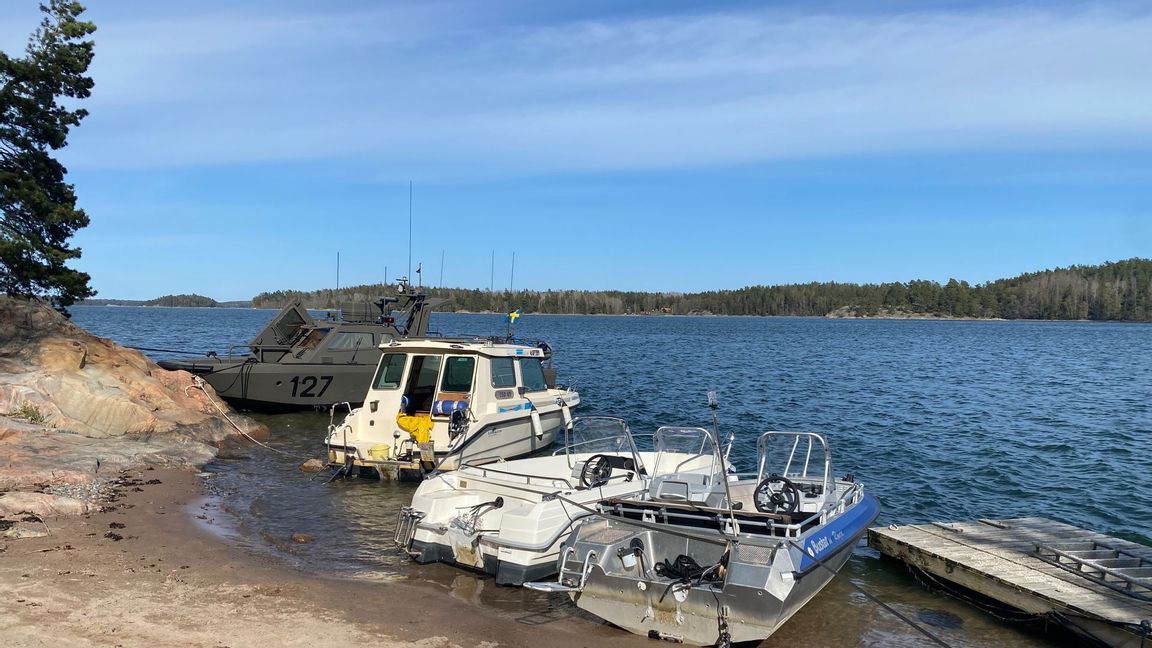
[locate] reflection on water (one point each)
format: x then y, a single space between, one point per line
942 420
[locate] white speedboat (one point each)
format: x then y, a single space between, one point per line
718 562
509 519
436 403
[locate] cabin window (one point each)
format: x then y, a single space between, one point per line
312 340
458 372
391 371
348 341
286 328
422 382
532 375
503 375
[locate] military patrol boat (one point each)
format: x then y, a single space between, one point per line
298 361
710 561
508 519
436 403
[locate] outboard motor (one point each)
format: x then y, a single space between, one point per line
457 424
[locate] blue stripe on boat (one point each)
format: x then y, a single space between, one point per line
845 529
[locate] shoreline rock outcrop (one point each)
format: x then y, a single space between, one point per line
897 313
75 407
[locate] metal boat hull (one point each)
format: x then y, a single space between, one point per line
752 615
766 580
283 386
298 361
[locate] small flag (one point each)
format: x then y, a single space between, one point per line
513 315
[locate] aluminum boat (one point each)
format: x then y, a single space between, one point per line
717 561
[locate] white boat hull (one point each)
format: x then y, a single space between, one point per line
497 437
519 541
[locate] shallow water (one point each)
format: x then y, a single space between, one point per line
941 420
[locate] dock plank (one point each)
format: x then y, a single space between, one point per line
996 557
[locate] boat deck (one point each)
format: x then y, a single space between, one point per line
1099 585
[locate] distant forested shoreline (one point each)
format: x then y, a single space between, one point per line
1114 291
185 301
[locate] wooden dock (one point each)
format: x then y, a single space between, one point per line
1098 585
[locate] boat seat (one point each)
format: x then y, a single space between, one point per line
680 487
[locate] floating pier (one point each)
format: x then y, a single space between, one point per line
1096 585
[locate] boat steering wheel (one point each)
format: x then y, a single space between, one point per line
596 471
776 494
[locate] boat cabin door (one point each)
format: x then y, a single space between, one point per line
438 385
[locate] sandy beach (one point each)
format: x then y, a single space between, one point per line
147 572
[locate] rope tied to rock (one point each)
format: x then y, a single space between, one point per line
198 383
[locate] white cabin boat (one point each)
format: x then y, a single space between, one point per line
510 519
436 403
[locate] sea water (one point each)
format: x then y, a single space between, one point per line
942 420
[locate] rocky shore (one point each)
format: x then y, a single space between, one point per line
107 538
850 312
145 570
75 410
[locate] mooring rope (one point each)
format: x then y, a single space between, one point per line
137 348
198 383
871 597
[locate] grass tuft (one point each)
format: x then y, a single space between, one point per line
29 412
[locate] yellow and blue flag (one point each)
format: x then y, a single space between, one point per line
513 315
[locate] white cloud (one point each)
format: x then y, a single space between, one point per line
421 91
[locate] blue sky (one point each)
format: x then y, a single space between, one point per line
237 147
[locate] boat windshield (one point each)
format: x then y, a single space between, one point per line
285 327
798 456
599 435
687 449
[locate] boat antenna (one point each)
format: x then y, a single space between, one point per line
512 275
441 267
714 405
409 228
337 270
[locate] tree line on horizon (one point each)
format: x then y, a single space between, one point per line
1120 291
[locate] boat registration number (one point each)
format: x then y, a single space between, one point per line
306 386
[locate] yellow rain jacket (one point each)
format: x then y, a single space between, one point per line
419 426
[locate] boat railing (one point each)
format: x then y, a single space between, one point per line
748 522
696 522
804 446
532 480
230 353
834 508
